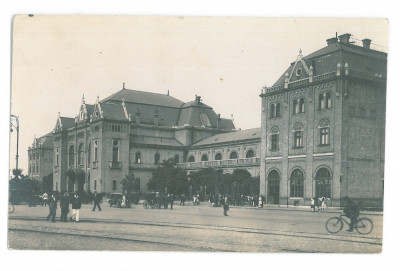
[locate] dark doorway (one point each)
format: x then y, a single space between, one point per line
273 187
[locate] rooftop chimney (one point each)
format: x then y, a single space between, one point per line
366 43
345 38
331 40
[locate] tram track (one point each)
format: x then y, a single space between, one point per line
187 226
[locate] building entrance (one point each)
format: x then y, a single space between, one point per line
273 187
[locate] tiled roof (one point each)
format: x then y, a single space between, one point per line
325 60
113 111
142 97
167 115
249 134
67 122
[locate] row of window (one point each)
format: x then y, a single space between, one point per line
218 156
33 169
81 152
323 179
323 135
298 105
33 156
157 159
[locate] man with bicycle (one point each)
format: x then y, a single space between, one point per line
351 211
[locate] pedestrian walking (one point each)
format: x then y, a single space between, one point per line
226 205
183 198
260 201
323 204
52 208
312 204
171 200
76 206
97 200
64 206
316 203
45 199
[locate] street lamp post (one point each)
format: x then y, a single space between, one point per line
16 127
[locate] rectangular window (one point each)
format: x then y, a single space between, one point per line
324 136
95 184
115 150
114 186
274 142
95 150
56 186
298 139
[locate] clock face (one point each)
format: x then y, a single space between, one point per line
299 71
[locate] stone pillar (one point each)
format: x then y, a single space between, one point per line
263 148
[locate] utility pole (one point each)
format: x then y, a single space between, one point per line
16 127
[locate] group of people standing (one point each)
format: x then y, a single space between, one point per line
65 200
318 203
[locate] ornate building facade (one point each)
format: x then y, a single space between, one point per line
129 132
322 133
40 157
323 127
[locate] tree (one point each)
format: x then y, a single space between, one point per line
129 183
17 172
205 177
168 177
48 182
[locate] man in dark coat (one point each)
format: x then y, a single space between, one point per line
64 205
97 200
226 205
351 211
76 206
171 200
182 200
52 208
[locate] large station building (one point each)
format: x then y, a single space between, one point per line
322 133
323 127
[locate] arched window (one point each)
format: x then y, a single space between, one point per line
321 101
278 110
233 155
204 157
302 105
89 154
297 184
272 111
249 154
176 158
115 150
274 139
191 159
218 156
298 135
80 154
138 158
328 100
71 154
157 159
323 183
323 128
295 106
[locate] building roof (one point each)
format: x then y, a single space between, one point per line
67 122
326 59
142 97
113 111
249 134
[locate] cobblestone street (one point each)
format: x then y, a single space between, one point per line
190 228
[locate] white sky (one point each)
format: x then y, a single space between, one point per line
225 60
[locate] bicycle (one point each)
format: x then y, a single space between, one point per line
363 225
11 208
